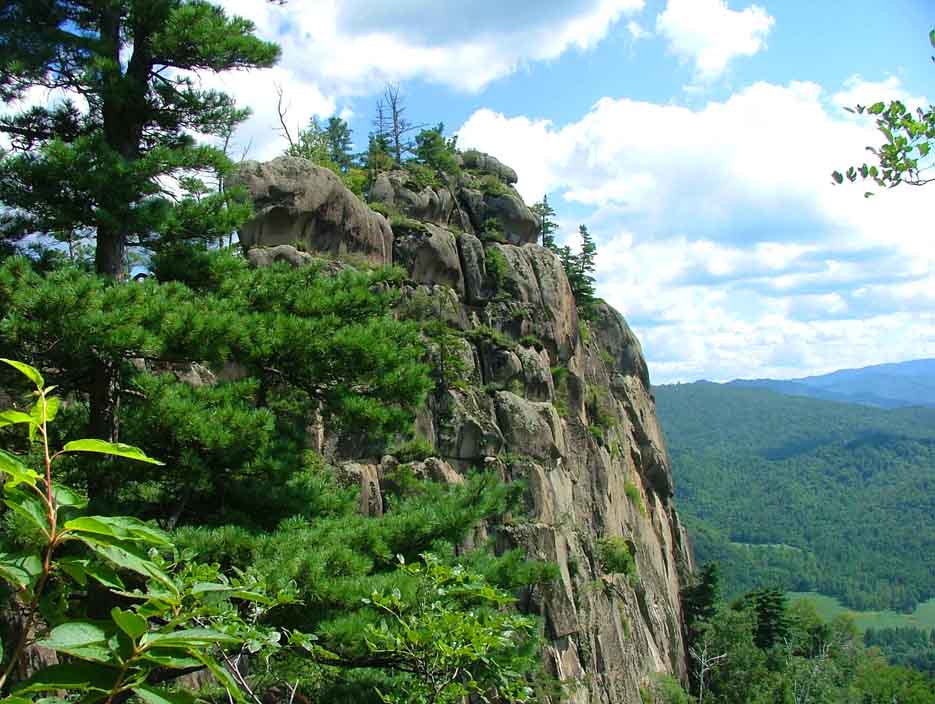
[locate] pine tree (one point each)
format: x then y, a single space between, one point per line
338 139
105 168
547 225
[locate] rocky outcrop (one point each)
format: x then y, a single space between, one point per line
430 254
435 204
299 202
473 159
569 415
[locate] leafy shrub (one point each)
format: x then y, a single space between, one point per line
401 223
417 449
490 185
497 266
616 556
385 210
532 341
584 332
420 176
633 493
490 231
597 433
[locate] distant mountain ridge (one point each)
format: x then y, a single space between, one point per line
894 385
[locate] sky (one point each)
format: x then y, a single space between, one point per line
695 138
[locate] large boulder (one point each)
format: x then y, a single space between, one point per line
518 223
530 428
617 339
430 254
539 299
397 190
479 161
299 202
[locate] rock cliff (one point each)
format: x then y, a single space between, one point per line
543 396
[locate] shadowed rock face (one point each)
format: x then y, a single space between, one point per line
571 417
299 202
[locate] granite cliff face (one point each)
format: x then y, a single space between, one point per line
544 397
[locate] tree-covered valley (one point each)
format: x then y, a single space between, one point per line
804 494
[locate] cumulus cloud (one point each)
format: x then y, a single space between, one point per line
709 34
721 236
334 50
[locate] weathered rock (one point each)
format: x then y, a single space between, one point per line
430 255
540 302
537 375
473 159
260 257
367 476
530 428
466 427
395 189
477 285
615 337
518 223
297 201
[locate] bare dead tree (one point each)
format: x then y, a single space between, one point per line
704 663
281 111
390 121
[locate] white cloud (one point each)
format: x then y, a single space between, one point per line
637 31
337 49
709 34
721 237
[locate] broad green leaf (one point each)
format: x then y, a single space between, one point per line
126 555
932 37
220 674
129 622
876 108
32 373
15 418
18 473
189 638
75 676
152 695
30 507
122 527
20 570
172 657
81 639
15 700
838 177
80 569
65 496
116 449
45 409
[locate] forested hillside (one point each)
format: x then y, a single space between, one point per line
806 494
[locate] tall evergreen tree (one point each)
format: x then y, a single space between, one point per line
105 167
338 138
547 225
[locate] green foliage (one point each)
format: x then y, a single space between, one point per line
633 493
664 689
436 152
547 225
584 332
497 266
804 494
420 176
490 231
617 556
364 373
384 209
805 659
455 638
105 169
491 186
532 341
403 223
180 612
414 450
907 151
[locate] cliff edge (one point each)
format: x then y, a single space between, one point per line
538 394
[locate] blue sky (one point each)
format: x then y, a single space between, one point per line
694 137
